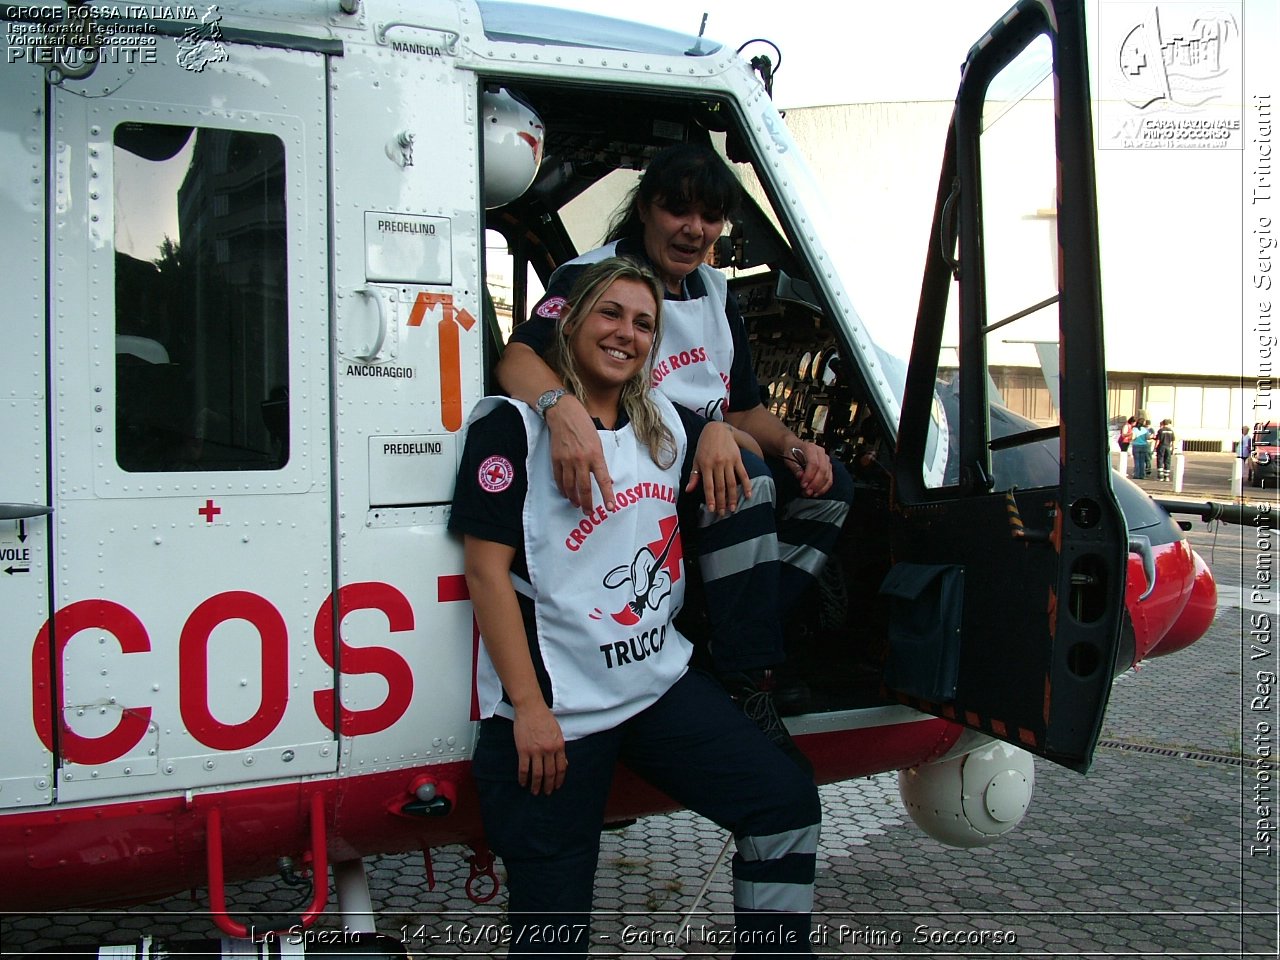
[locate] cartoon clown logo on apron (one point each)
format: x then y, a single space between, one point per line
650 575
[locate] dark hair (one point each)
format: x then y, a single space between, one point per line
679 176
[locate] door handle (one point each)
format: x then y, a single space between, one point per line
371 355
23 511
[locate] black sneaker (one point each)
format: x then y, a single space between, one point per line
753 692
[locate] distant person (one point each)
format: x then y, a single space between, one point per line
1165 439
1124 441
1141 444
1244 448
1126 434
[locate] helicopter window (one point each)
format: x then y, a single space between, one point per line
202 372
1020 261
1020 271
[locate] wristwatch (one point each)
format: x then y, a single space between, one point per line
549 400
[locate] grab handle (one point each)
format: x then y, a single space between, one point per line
217 878
372 353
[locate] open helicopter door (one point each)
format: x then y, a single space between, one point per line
189 404
1009 573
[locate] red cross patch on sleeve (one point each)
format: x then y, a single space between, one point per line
552 307
496 474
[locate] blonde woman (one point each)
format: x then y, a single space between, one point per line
582 666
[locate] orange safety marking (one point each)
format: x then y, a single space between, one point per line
1015 517
450 374
427 301
450 351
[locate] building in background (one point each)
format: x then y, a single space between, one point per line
1169 228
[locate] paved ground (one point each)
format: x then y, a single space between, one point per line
1148 854
1205 476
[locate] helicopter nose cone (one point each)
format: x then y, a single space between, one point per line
1195 618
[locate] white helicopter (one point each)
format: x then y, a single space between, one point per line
245 265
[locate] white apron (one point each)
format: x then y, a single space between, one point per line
605 587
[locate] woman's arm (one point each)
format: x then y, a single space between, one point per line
576 455
539 740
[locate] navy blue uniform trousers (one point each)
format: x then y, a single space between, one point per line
696 746
756 563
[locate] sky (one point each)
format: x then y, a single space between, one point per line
854 51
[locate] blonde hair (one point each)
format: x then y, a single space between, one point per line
648 425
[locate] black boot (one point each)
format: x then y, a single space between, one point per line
753 692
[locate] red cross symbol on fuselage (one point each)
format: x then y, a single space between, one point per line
209 511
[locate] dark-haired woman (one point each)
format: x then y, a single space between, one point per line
583 666
758 551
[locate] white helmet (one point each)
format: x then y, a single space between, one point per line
513 137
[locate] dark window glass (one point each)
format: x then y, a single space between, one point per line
202 347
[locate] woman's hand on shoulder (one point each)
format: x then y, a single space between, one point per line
540 748
576 454
718 467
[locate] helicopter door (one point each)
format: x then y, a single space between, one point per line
26 763
190 448
1009 583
